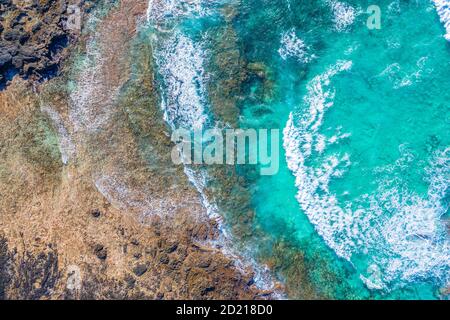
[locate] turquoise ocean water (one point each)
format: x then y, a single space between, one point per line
363 189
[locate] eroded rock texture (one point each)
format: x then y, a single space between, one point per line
64 234
35 36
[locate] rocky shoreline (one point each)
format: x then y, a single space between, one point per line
62 234
35 37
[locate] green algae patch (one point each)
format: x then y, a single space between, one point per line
26 132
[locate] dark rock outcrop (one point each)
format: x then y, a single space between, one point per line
140 269
33 276
100 252
34 36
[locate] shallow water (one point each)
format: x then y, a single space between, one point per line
363 186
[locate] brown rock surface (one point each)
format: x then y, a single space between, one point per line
48 232
63 237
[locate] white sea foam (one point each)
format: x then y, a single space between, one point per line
394 7
299 135
199 179
180 61
443 10
409 236
161 10
262 277
293 46
91 100
93 109
344 14
399 233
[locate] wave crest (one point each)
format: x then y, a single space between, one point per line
397 234
443 10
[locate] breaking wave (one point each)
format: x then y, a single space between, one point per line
66 146
397 233
443 10
293 46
